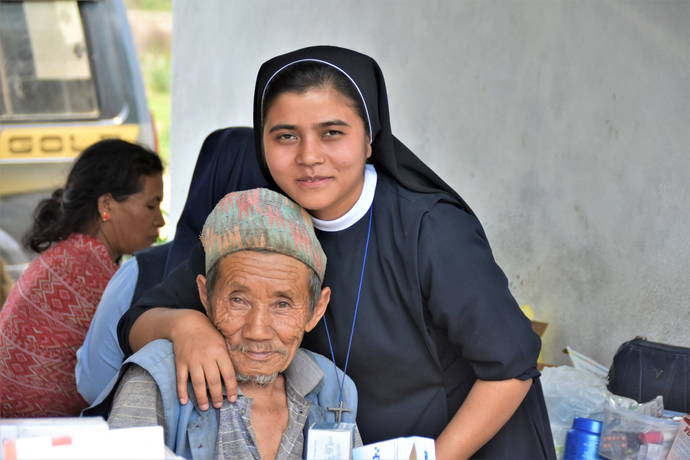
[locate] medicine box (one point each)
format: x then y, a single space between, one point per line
410 448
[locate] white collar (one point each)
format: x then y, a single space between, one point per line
358 210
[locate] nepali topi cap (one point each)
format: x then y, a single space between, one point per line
265 220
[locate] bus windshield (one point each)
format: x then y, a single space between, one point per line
45 72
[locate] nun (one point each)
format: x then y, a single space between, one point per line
420 315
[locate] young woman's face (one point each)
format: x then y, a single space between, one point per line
316 146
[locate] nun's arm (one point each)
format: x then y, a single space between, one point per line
201 354
172 310
486 409
467 294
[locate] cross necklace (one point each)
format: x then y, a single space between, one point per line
338 411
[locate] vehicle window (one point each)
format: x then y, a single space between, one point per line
45 71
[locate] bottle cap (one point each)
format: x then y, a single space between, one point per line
587 424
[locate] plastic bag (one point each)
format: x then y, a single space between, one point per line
571 393
632 435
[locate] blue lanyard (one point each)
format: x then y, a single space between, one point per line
341 381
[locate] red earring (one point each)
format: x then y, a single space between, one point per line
105 217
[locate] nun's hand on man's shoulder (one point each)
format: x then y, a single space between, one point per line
201 354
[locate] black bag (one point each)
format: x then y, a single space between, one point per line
643 370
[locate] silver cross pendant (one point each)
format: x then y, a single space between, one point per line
338 411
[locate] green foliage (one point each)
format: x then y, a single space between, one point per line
152 38
157 70
159 104
155 5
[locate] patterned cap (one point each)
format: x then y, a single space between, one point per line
261 219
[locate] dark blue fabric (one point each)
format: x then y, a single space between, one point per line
151 262
227 163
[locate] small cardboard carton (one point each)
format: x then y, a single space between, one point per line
15 428
539 328
121 444
410 448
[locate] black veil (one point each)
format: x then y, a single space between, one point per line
388 153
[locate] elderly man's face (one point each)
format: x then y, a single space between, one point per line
261 304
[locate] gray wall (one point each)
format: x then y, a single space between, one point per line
564 125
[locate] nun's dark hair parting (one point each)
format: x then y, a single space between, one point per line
389 155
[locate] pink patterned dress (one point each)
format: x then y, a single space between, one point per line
43 323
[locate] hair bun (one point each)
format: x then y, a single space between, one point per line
58 195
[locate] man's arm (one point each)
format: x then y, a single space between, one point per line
137 401
486 409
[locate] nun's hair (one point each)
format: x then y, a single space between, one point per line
303 76
110 166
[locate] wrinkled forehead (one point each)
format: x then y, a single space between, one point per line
335 67
261 272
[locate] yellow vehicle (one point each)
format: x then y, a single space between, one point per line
69 76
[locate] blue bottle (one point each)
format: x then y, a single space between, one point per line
582 442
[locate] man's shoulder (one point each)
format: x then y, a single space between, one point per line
158 359
134 374
325 365
307 371
317 374
156 353
136 391
330 389
306 357
155 362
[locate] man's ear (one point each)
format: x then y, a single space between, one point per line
319 309
201 286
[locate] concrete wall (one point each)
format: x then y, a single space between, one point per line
564 124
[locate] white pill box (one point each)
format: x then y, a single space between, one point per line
410 448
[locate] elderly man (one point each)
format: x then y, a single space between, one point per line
262 290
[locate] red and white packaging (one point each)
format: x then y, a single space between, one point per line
680 450
136 443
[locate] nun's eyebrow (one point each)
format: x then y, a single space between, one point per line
323 124
279 127
329 123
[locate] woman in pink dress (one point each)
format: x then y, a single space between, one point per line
110 206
